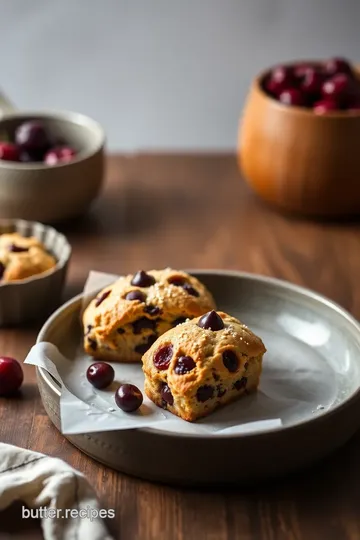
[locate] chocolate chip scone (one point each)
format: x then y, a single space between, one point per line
22 257
203 364
126 318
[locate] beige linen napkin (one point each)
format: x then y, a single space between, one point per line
41 481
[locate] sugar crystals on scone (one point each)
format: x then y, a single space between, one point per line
202 364
127 317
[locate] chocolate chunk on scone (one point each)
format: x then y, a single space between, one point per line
22 257
127 317
203 364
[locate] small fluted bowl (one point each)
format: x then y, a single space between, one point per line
53 193
34 298
297 160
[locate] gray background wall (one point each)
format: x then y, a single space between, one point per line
169 74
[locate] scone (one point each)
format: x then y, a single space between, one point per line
127 317
22 257
203 364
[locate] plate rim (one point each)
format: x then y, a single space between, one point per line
283 284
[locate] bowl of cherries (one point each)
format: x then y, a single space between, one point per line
299 137
51 164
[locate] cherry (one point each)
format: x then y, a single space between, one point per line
33 137
62 154
293 97
281 77
325 106
211 321
11 376
340 87
166 394
184 364
230 360
204 393
128 397
338 65
312 82
9 152
100 374
300 70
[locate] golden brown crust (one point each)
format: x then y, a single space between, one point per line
18 265
122 329
209 378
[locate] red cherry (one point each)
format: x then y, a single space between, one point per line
281 78
300 70
325 106
11 376
61 154
338 65
312 82
100 374
292 97
9 151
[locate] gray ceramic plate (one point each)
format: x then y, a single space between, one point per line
295 323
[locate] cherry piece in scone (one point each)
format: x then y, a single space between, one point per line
128 397
11 376
63 154
142 279
325 106
100 374
293 97
9 152
338 65
33 137
211 321
162 357
184 364
166 394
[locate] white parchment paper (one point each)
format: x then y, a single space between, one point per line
296 384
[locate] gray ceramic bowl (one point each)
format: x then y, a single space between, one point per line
37 296
39 192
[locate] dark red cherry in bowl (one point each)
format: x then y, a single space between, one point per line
312 82
100 375
281 77
9 151
62 154
338 65
325 106
11 376
340 87
33 137
293 97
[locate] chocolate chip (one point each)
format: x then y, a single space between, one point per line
17 249
92 344
135 295
2 270
142 324
179 320
163 356
204 393
143 347
142 279
215 375
184 364
88 329
152 310
101 298
120 331
166 395
220 391
211 321
179 281
230 361
189 289
241 383
246 365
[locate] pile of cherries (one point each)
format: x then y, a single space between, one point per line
323 87
127 397
34 143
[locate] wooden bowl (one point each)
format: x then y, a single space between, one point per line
49 194
297 160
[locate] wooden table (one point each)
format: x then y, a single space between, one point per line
195 212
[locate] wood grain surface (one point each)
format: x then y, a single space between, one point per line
196 212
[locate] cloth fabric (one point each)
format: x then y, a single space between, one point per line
41 481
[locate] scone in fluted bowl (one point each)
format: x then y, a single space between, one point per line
34 298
